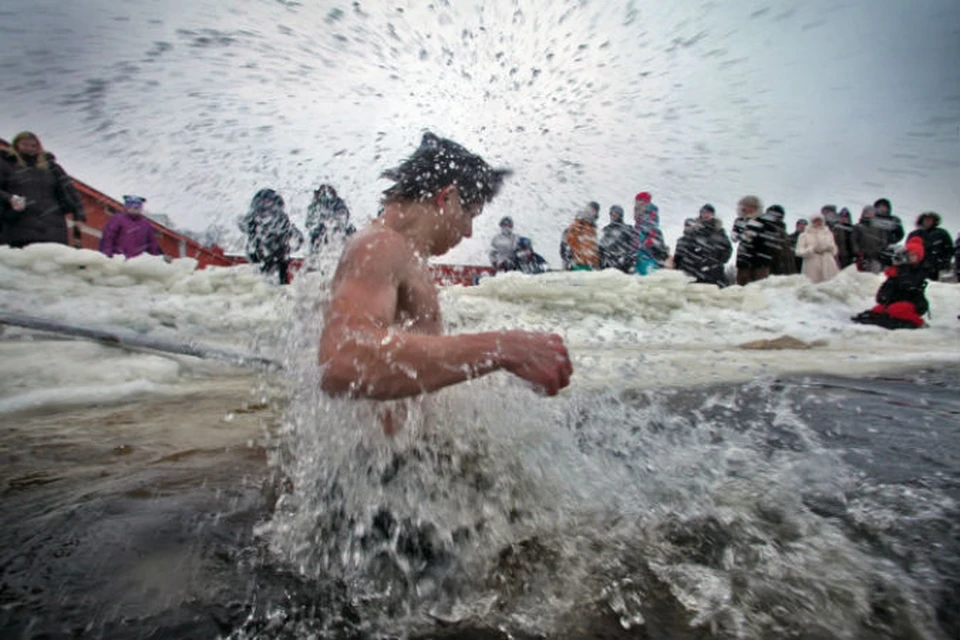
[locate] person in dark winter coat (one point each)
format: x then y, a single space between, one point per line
35 194
869 241
900 299
711 233
936 244
617 245
270 234
704 250
829 213
784 263
889 223
129 233
327 217
4 146
683 253
843 237
758 237
956 258
799 228
526 259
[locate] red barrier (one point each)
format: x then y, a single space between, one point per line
99 207
459 274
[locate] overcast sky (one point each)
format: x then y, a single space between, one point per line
196 104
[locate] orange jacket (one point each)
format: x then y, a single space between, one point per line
581 237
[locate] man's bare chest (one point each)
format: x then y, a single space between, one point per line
418 305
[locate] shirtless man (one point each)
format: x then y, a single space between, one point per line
382 337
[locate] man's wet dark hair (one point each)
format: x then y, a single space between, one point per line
881 203
438 163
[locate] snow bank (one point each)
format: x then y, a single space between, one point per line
652 331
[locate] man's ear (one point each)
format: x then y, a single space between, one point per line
444 195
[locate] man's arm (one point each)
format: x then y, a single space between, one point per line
364 356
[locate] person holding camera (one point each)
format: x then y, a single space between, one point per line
900 299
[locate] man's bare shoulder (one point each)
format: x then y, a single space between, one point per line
375 249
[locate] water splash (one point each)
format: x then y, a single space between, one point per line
666 513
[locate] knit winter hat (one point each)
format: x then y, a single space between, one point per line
915 246
133 202
644 196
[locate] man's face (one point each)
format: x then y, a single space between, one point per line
883 210
927 222
639 208
706 215
453 221
506 229
801 226
28 146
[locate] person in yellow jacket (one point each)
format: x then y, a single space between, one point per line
579 247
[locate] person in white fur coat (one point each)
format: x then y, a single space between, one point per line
819 251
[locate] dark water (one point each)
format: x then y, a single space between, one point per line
138 521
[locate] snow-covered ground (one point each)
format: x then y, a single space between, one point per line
645 332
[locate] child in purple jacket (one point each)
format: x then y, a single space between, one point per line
129 232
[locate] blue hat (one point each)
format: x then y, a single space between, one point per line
133 201
524 243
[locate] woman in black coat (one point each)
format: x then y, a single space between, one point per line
35 194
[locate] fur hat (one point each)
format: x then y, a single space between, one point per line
752 202
928 214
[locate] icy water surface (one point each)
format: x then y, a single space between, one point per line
806 508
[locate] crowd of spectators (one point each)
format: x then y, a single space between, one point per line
818 248
37 197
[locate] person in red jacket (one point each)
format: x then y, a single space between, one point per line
900 299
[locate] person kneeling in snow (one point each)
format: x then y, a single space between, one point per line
900 297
